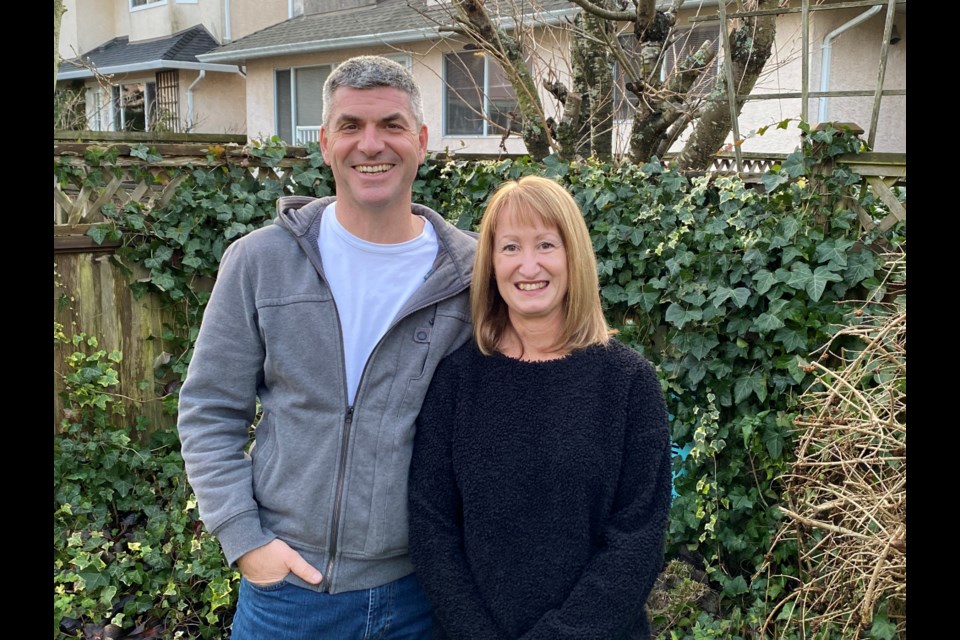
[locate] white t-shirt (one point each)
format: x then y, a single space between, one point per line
370 283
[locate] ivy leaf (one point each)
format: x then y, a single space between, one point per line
695 298
767 322
860 266
740 296
818 280
555 167
696 372
765 281
740 502
792 341
99 233
774 441
700 345
646 297
94 580
771 180
144 152
614 293
721 295
676 315
235 229
163 281
752 383
790 254
882 628
834 251
108 594
794 165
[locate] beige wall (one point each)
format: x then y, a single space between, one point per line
855 65
427 59
88 24
247 17
160 20
218 102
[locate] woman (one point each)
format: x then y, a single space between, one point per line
540 480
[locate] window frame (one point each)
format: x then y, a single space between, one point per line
490 128
107 112
292 71
402 58
145 4
676 50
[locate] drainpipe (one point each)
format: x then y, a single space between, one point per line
825 56
227 33
289 9
203 72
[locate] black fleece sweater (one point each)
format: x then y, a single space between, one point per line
539 494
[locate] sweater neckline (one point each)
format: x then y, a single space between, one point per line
545 363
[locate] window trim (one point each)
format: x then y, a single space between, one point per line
619 88
293 100
488 129
148 4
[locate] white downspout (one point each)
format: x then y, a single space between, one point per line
193 84
227 32
825 56
289 9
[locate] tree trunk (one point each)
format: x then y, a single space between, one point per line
57 13
593 81
750 47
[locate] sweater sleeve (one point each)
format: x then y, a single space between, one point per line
217 406
435 508
613 588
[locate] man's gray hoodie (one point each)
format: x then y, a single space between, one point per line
327 478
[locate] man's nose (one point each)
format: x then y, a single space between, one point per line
370 141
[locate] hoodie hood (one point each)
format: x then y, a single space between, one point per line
300 215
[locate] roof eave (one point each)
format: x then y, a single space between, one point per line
367 40
154 65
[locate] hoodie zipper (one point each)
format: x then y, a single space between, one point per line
348 414
348 427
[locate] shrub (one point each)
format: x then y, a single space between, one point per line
129 549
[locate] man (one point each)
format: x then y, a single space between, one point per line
335 318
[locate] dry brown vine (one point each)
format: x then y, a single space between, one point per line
845 496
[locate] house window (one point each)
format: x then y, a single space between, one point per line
141 4
478 97
125 107
299 103
683 42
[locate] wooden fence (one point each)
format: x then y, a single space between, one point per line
92 293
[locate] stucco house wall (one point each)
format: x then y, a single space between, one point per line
427 68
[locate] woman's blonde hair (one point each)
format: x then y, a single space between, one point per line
531 198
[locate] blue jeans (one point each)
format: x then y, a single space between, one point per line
398 610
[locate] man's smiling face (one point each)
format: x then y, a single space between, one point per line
374 147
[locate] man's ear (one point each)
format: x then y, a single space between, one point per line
323 144
423 142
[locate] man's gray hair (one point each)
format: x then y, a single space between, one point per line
368 72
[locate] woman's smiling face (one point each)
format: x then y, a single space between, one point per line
530 267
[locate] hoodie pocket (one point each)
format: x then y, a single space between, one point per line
263 448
